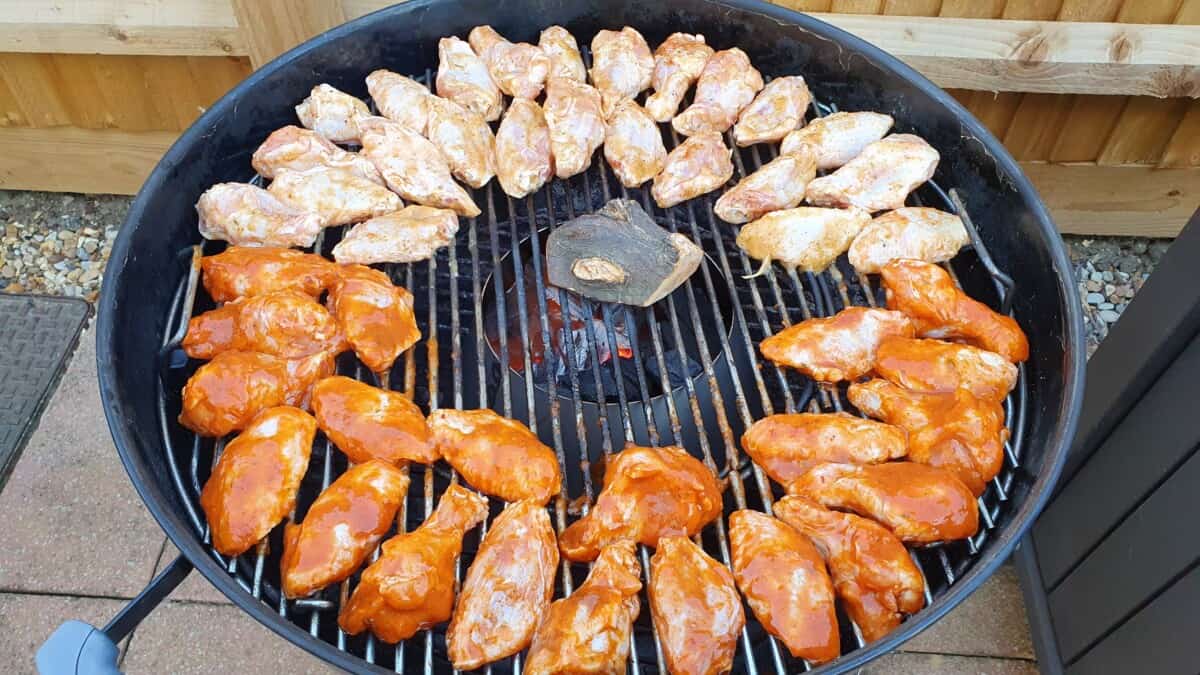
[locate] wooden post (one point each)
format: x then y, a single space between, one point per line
271 27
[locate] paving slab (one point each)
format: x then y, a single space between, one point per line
991 622
907 663
27 620
195 588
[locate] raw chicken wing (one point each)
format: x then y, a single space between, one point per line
294 148
839 347
463 78
872 572
698 165
368 423
337 196
288 324
496 455
695 608
917 502
413 233
776 186
777 110
928 295
622 66
678 62
727 84
400 99
806 237
465 140
332 113
633 145
838 138
413 167
239 272
341 528
648 493
523 157
411 587
254 484
560 47
785 583
937 366
912 232
572 111
787 445
507 589
376 316
247 215
589 631
519 70
880 177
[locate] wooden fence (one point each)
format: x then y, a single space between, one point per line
1097 98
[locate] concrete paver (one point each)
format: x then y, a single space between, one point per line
991 622
193 589
27 620
908 663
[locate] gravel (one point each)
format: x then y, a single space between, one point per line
1108 272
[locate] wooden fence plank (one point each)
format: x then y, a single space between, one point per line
1036 126
912 7
974 9
67 159
1148 11
1089 10
1117 200
1041 10
1183 150
271 27
1189 13
856 6
1143 131
1086 128
27 76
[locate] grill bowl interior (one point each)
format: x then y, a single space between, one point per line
142 289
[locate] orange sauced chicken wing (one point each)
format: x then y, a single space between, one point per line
727 84
698 165
342 527
376 315
678 62
633 145
411 586
784 580
287 323
777 110
332 113
648 493
588 632
872 572
787 445
937 366
496 455
519 70
368 423
563 51
507 589
294 148
241 271
840 347
254 484
622 66
695 608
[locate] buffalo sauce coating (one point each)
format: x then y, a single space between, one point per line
254 484
787 445
784 580
937 366
496 455
341 527
224 394
376 315
368 423
695 608
284 323
244 271
648 493
839 347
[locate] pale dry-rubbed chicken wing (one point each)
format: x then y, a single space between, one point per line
727 84
241 271
519 70
778 185
808 238
917 502
572 111
247 215
332 113
785 583
294 148
678 62
937 366
507 589
376 316
872 572
465 139
648 493
622 66
463 78
786 445
366 422
695 608
927 294
698 165
563 51
413 233
496 455
254 484
777 110
288 324
912 233
341 528
413 166
633 145
588 632
339 197
411 586
839 347
838 138
880 177
524 161
400 99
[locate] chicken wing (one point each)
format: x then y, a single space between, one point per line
463 78
496 455
254 484
588 632
523 157
507 589
839 347
247 215
622 66
778 185
838 138
936 366
939 309
648 493
239 272
560 47
411 587
872 572
376 316
698 165
294 148
787 445
917 502
413 167
695 608
808 238
678 62
288 324
400 99
727 84
341 528
633 145
785 583
880 177
777 110
519 70
366 422
956 431
411 234
572 111
465 140
332 113
339 197
913 233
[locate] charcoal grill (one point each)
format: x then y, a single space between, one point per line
710 326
